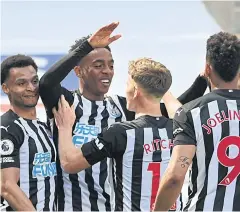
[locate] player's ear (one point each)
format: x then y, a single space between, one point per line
77 70
5 88
207 69
136 92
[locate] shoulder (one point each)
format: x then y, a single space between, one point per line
12 134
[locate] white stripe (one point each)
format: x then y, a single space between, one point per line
24 162
49 149
127 170
110 188
146 186
86 205
233 131
96 168
213 166
200 154
40 180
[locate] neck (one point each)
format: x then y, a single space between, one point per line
219 84
90 96
148 108
228 86
27 113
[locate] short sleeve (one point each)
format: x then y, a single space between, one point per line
11 141
183 129
107 144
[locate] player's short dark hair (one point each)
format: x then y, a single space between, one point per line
82 40
223 53
152 76
15 61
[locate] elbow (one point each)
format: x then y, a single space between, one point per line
68 166
6 188
43 83
175 180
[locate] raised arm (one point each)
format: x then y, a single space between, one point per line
49 86
196 90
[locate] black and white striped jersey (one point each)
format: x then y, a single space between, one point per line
91 189
141 150
212 124
28 145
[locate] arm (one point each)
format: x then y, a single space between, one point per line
172 181
197 90
11 192
183 152
10 168
171 103
49 85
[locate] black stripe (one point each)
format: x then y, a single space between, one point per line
209 149
119 188
157 155
33 184
88 172
222 170
137 170
59 191
103 164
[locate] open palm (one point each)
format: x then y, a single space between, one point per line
102 37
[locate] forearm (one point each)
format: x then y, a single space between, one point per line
70 156
61 69
171 103
168 193
197 90
16 198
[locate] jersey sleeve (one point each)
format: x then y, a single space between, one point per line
107 144
183 129
11 141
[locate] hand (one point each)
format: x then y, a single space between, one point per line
102 38
65 116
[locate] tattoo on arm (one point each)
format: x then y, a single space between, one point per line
184 161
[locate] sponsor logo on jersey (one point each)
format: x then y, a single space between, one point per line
84 133
43 167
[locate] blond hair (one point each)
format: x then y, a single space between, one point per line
150 75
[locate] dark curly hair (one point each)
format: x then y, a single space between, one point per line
223 53
15 61
80 41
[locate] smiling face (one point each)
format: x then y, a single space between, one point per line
96 71
22 87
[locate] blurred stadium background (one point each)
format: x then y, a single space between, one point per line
175 33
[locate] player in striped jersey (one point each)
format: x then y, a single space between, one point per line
28 155
207 137
90 189
141 148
